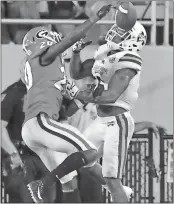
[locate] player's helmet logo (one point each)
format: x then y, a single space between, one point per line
42 34
142 38
38 38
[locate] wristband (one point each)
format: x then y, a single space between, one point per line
94 19
78 103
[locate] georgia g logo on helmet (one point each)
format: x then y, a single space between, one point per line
42 34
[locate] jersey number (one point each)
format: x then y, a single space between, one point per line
29 79
28 76
44 44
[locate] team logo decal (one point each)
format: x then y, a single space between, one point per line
111 123
141 37
42 34
100 70
112 59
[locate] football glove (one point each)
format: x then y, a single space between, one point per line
80 45
103 11
71 89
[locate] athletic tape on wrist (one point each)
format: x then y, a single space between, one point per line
78 103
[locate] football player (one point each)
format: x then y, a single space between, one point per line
43 74
116 67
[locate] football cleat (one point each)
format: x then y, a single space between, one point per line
36 190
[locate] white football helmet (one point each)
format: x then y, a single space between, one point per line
135 41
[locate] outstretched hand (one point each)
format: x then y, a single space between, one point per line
80 45
155 128
103 11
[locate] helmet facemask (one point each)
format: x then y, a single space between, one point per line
117 34
134 40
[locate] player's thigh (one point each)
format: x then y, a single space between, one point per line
51 159
55 136
95 133
40 141
115 148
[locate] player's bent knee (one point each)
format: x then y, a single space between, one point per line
90 165
90 157
113 184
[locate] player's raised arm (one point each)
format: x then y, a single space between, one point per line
74 36
79 70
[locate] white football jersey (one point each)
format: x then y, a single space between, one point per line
106 67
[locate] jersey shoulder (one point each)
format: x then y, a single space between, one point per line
131 60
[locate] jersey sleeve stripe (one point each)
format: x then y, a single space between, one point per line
131 60
133 56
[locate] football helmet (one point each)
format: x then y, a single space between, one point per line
135 41
125 19
38 38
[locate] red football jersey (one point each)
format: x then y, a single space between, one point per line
42 94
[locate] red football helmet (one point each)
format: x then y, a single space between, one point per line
125 19
38 38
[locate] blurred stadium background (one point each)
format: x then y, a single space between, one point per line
149 166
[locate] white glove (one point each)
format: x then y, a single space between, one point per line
128 191
71 88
